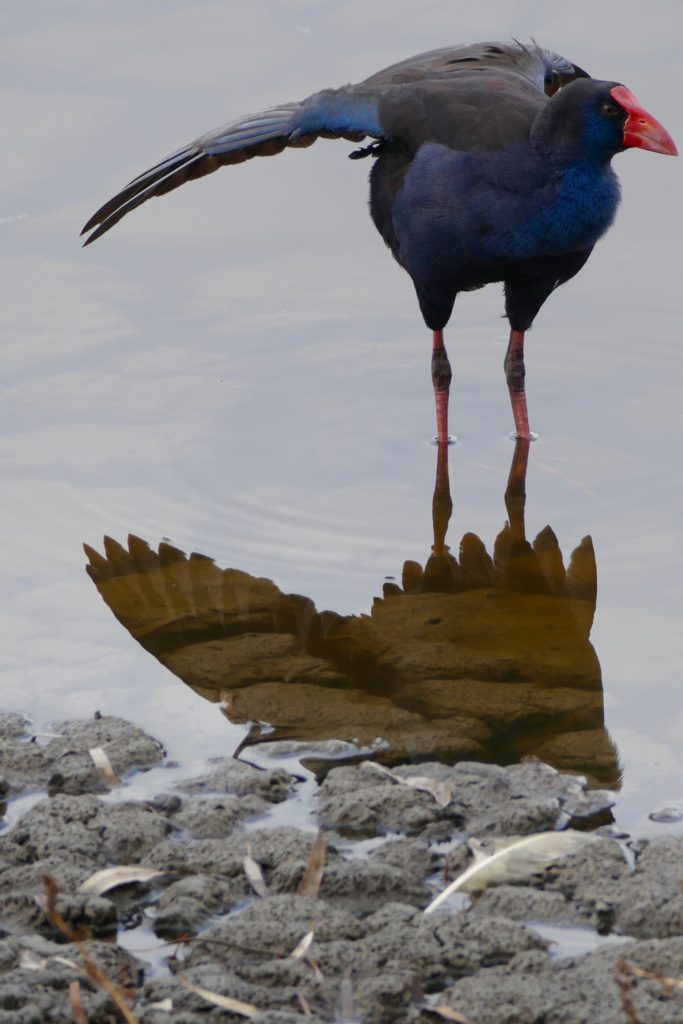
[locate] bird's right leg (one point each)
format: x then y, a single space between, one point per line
441 380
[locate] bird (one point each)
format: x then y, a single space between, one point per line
491 163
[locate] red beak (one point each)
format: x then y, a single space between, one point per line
641 129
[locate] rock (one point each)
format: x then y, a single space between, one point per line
575 990
232 776
485 800
85 831
483 958
65 762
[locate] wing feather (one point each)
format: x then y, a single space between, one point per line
386 105
332 113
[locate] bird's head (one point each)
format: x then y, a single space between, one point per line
593 118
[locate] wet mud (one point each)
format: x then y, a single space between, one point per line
369 952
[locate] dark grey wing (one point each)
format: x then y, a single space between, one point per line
350 113
482 96
406 101
542 68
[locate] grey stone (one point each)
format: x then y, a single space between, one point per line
575 990
64 762
233 776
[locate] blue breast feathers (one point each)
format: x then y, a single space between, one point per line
497 209
570 213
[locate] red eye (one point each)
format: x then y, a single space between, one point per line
609 110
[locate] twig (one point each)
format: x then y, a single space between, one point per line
665 981
91 968
76 1003
625 986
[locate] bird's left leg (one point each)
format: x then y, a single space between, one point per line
515 373
442 503
441 380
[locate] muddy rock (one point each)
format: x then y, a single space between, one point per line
85 831
68 838
371 943
22 910
247 956
281 853
40 995
360 885
212 817
534 778
187 904
526 903
232 776
64 764
191 1008
14 726
576 990
651 906
484 800
396 871
604 888
272 927
388 952
358 802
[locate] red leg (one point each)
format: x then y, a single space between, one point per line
442 504
441 379
514 372
515 492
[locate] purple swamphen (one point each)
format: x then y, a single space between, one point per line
492 163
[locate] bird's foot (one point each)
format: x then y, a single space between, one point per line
528 436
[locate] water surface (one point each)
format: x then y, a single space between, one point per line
240 368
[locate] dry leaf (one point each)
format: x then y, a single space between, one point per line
302 948
76 1003
225 1002
65 960
105 772
164 1004
109 878
254 873
375 766
440 791
348 1009
313 875
29 960
317 973
515 861
32 961
446 1013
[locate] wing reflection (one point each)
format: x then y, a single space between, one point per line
480 657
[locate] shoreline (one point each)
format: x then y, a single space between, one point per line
392 841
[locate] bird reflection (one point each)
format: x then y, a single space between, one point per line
479 657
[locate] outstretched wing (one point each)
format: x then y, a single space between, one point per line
412 101
347 113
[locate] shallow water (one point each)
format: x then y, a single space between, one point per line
572 941
240 368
